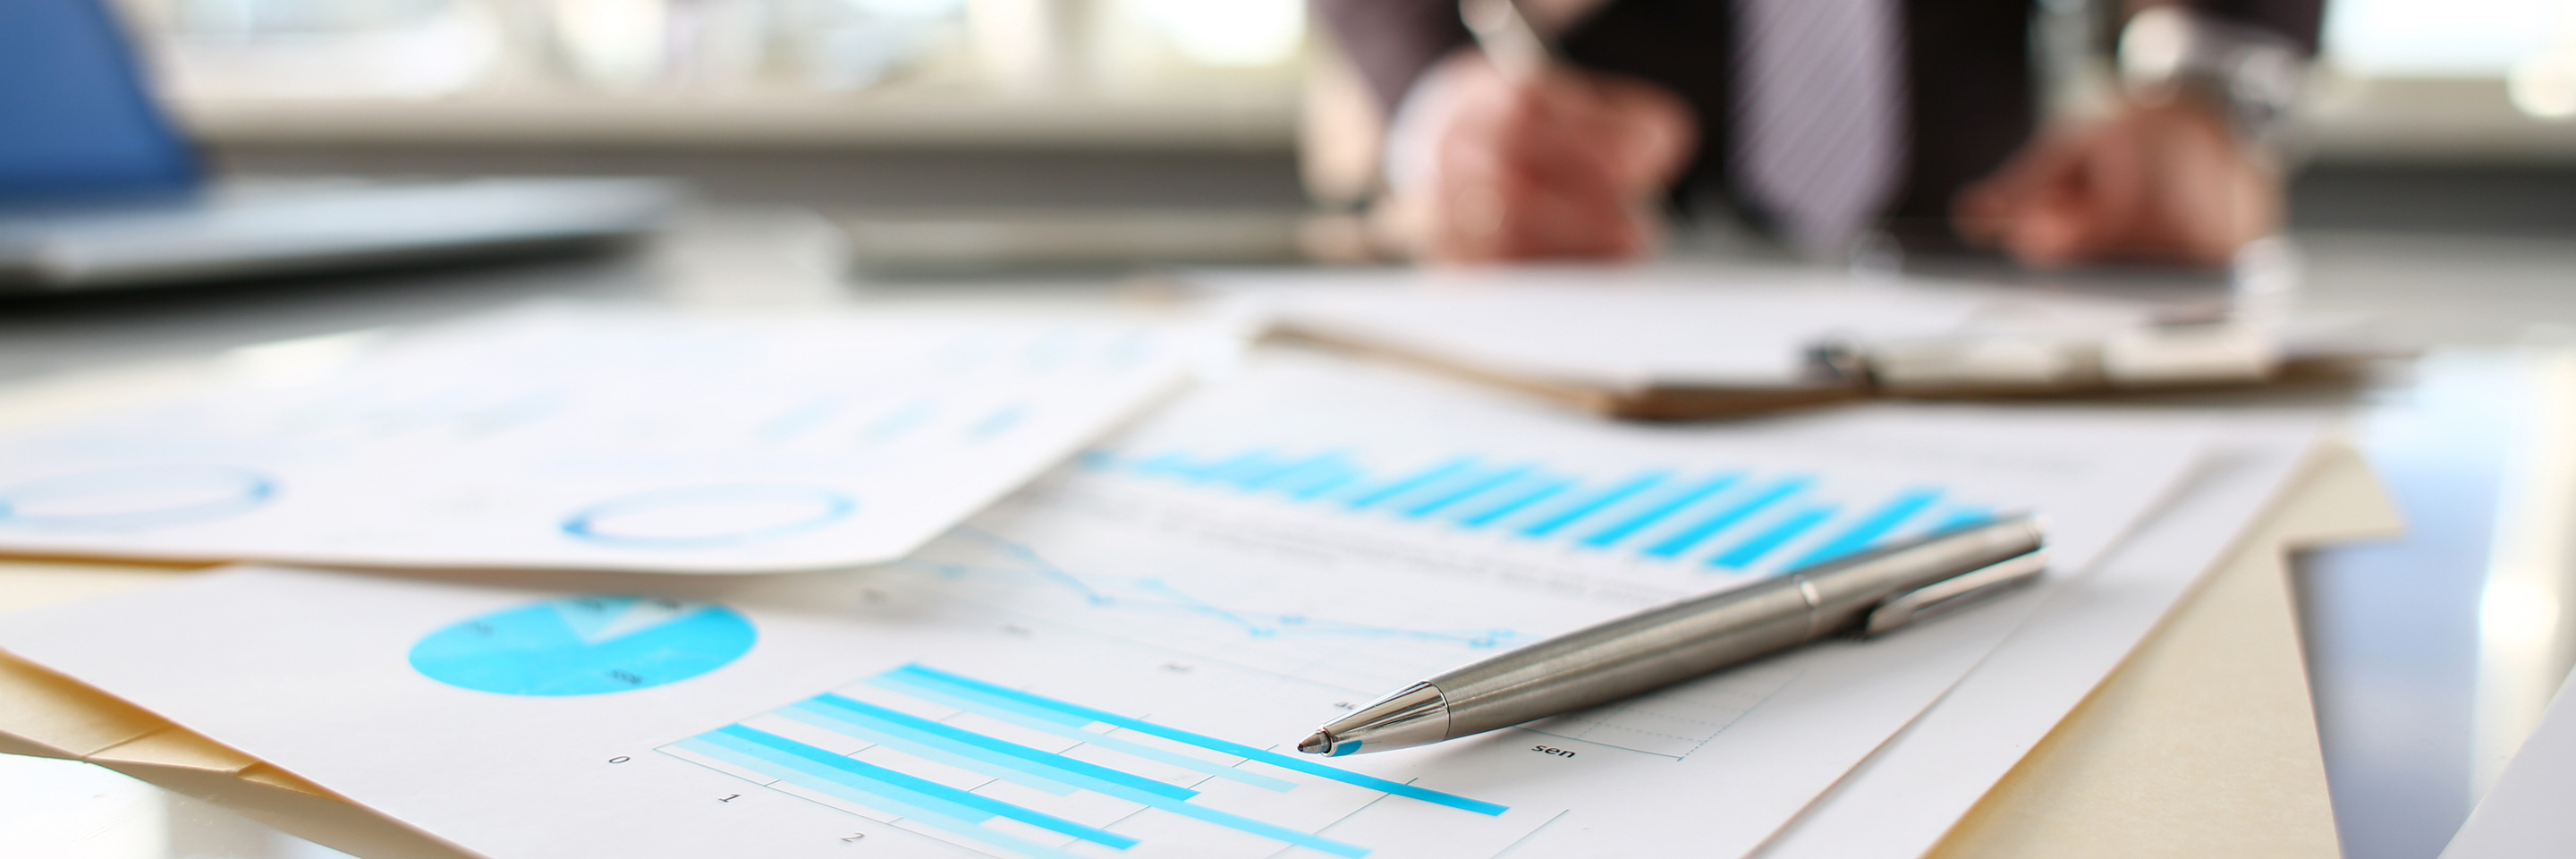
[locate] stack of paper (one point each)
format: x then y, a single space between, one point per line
591 438
1116 659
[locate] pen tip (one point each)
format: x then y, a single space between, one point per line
1316 744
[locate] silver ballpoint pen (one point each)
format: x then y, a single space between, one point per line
1504 33
1870 593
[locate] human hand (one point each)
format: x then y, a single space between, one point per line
2167 183
1560 163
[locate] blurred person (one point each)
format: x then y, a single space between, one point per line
1821 120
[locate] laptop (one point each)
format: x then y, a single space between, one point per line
98 190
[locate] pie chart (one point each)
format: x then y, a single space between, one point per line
587 645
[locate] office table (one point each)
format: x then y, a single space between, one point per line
2419 660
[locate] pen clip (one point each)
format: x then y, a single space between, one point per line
1504 33
1902 609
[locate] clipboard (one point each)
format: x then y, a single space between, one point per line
1843 372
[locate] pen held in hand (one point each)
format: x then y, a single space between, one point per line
1506 37
1870 594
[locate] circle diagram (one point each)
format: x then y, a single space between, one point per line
585 646
135 498
709 517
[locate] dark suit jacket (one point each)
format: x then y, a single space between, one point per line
1971 86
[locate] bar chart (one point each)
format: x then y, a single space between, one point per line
1013 773
1724 520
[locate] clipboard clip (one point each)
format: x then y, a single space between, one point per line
2182 353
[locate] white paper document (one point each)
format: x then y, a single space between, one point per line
572 437
1118 660
1907 796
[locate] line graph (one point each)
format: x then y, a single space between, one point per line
1361 656
1675 721
1153 594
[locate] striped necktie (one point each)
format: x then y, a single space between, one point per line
1819 115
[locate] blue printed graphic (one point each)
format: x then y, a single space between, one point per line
1720 520
715 516
882 785
585 646
134 498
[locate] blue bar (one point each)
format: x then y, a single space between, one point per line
1129 350
1258 482
833 712
1000 421
1964 517
866 716
1078 715
1337 475
1749 551
879 781
1074 731
1241 461
1542 492
1676 544
1402 503
1252 479
944 817
1050 769
899 422
1613 495
1880 521
1169 463
1471 490
925 748
1272 831
1424 478
1639 522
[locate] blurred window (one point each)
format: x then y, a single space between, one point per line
427 48
2441 38
1230 32
269 17
2531 44
321 48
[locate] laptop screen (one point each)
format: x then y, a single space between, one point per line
75 120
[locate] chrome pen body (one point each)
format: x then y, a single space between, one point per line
1658 647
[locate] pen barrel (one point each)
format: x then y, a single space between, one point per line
1682 640
1625 656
